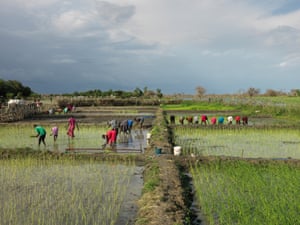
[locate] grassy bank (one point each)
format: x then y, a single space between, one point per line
163 200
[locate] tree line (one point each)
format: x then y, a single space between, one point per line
14 89
136 93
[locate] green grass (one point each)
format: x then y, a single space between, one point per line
151 178
198 105
242 193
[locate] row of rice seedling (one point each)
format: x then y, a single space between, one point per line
245 142
62 191
21 136
243 192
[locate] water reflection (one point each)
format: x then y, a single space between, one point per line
134 140
126 142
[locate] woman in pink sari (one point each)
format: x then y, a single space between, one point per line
71 127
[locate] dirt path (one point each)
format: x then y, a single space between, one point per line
165 205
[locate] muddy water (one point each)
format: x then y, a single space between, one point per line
129 206
135 142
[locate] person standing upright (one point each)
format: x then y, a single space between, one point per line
72 123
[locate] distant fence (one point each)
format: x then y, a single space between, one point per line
16 112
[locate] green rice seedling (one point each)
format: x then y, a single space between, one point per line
20 136
241 192
247 143
64 191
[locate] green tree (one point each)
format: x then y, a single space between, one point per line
14 88
253 91
200 91
138 92
159 93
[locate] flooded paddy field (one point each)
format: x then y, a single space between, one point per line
68 189
87 139
251 142
92 123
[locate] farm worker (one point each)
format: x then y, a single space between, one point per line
237 120
221 120
114 124
41 134
181 120
51 111
104 137
69 106
140 121
204 119
71 126
213 120
172 119
189 119
54 132
66 110
129 125
245 120
229 119
195 120
111 136
124 126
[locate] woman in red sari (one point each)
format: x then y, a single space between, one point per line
71 127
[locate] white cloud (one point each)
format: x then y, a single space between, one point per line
72 21
289 61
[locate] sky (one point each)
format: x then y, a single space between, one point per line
224 46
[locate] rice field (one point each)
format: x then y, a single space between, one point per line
257 187
62 191
244 192
250 142
88 136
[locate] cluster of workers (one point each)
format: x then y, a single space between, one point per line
41 131
117 127
203 119
110 137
